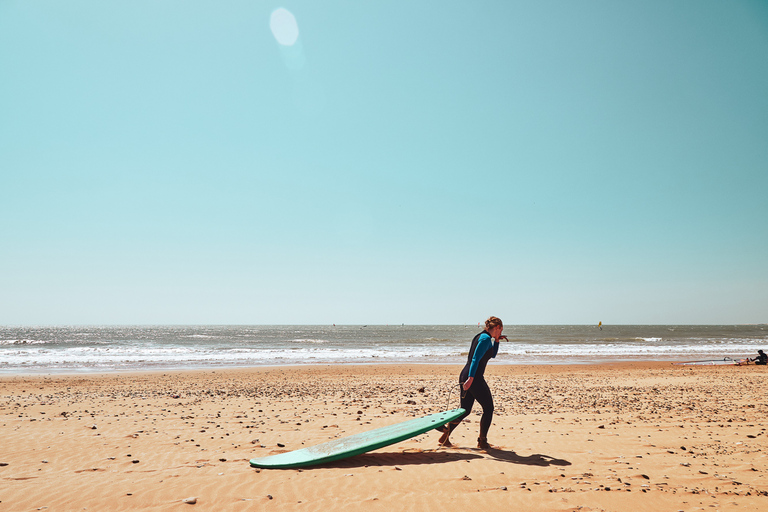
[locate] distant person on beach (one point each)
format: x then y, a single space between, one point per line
473 386
761 359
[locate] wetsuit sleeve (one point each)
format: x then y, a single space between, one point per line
483 345
495 348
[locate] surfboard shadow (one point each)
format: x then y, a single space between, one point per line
535 459
399 459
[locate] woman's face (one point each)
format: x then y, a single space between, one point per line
495 331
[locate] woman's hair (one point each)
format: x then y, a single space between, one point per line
493 322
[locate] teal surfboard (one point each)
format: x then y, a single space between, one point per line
356 444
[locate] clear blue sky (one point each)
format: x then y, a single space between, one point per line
420 162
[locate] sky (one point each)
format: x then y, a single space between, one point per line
258 162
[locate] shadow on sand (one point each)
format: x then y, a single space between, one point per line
535 459
400 459
441 457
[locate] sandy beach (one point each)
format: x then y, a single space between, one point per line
639 436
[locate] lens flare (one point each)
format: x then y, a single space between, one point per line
284 27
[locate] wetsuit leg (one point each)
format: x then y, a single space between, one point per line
482 394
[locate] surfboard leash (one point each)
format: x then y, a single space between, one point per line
450 393
448 406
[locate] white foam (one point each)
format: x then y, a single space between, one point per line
23 342
184 347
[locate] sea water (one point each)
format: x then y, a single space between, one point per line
121 348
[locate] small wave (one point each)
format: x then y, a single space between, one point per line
23 342
620 349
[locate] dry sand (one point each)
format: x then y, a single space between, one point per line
645 436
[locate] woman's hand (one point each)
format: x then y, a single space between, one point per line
468 383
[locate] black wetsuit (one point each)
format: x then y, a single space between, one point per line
762 359
481 350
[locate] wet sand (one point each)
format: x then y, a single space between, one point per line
638 436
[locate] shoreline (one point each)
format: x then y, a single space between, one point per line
626 436
566 364
69 350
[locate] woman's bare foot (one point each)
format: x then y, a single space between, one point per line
444 439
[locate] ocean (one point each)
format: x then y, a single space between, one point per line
135 348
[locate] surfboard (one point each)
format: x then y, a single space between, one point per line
713 362
356 444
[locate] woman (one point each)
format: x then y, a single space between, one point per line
484 346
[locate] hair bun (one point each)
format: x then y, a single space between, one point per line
493 322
